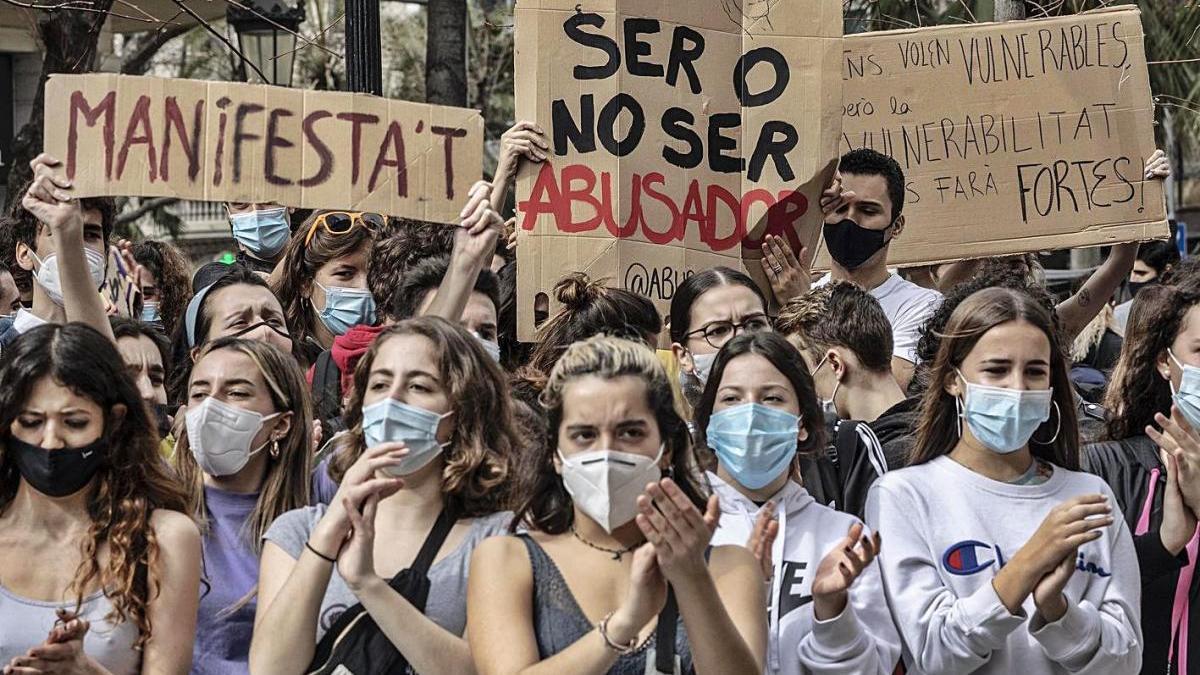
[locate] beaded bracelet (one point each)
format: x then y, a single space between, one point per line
623 650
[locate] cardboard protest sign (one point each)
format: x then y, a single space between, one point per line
226 141
681 133
1013 137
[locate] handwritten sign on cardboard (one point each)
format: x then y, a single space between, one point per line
681 133
226 141
1013 137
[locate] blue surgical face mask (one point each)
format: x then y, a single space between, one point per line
755 443
1004 420
346 308
150 311
703 364
492 348
390 421
1187 397
262 233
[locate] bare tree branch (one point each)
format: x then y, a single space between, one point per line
75 5
138 62
143 208
307 42
216 33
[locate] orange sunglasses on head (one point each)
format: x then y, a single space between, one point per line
343 222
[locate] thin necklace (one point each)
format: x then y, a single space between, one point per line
615 552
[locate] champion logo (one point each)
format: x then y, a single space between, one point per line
969 557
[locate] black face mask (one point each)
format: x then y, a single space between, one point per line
58 473
162 419
1136 286
851 245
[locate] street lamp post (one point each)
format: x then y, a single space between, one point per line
364 55
266 32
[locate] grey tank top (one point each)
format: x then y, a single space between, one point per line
559 622
26 623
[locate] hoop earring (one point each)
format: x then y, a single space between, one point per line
275 449
1057 428
958 408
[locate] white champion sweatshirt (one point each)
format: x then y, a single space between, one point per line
946 532
862 640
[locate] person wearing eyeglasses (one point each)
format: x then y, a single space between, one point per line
261 232
322 281
707 311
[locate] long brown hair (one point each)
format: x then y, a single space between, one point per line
938 430
545 505
286 483
481 451
134 480
1137 390
301 260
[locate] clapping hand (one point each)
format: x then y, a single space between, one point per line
838 570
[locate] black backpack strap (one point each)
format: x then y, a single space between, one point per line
664 634
327 387
433 543
429 550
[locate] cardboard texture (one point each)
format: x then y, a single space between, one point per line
1017 137
680 133
225 141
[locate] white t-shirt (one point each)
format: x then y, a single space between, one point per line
907 307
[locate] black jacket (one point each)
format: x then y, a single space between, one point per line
896 430
859 452
1126 465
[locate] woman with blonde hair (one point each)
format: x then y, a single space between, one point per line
379 576
617 574
244 461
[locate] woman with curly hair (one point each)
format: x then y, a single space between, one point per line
1155 474
94 540
322 281
423 474
166 283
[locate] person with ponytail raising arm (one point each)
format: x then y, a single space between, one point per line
1001 557
617 574
1151 460
759 413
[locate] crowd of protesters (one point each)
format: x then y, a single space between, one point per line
334 455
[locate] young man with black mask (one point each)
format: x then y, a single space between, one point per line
858 234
